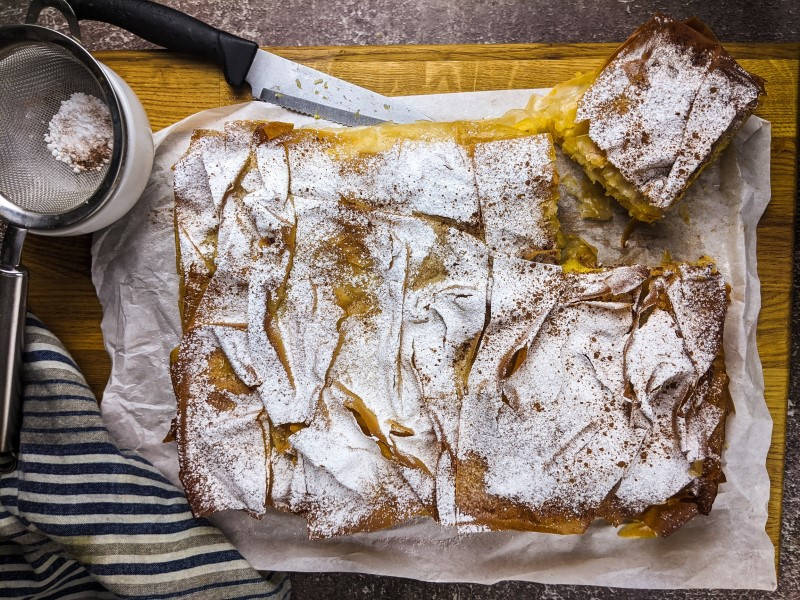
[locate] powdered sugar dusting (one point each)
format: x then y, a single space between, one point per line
516 183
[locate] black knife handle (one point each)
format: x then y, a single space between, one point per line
173 30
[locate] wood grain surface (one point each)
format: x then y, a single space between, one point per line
172 87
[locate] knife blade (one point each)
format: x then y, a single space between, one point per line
305 90
272 78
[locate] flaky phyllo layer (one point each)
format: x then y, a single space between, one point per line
375 329
646 123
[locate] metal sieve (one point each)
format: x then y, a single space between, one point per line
40 68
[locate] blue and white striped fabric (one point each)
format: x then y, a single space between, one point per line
80 518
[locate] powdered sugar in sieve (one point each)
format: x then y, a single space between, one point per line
80 134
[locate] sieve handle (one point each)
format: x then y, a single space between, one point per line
13 295
173 30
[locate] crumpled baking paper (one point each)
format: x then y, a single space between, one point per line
134 271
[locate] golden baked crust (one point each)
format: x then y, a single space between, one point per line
662 107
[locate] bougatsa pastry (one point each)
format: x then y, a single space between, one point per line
376 329
660 109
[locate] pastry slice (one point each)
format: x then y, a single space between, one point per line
218 166
443 314
604 397
196 220
517 188
662 108
341 326
220 428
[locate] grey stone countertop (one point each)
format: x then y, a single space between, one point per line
343 22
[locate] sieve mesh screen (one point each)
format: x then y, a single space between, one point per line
35 77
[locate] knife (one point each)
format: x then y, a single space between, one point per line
272 78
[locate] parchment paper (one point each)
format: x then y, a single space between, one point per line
134 271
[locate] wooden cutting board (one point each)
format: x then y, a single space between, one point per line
172 87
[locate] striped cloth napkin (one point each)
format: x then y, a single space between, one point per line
80 518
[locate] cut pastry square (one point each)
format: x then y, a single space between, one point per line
218 166
443 314
662 108
676 373
473 175
429 175
367 457
220 428
196 220
517 187
594 404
